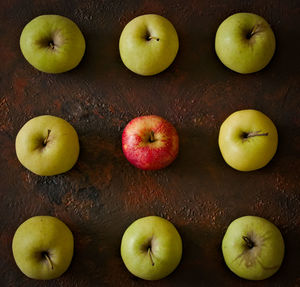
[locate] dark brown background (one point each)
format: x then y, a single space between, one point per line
103 193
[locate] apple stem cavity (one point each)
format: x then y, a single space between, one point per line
149 38
51 45
255 29
150 255
152 139
250 34
250 244
46 255
253 134
154 38
46 139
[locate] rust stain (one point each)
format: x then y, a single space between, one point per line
57 103
142 190
5 118
77 206
19 87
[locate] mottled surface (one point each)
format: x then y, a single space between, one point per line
103 193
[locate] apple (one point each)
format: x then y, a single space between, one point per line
151 248
245 43
148 44
150 142
253 248
248 140
52 43
47 145
43 247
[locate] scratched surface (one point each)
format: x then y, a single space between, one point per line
103 193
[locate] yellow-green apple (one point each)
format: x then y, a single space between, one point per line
148 44
245 43
151 248
253 248
43 247
248 140
52 43
47 145
150 142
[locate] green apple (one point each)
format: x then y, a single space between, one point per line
245 43
148 44
151 248
43 247
248 140
47 145
52 43
253 248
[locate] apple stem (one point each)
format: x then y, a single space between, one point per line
48 259
254 134
46 139
249 242
152 139
51 44
150 255
252 32
151 37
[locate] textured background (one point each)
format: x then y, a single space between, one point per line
103 193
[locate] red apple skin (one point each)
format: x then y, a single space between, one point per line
143 153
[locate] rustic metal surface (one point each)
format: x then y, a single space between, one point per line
103 193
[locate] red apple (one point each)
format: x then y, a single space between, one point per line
150 142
